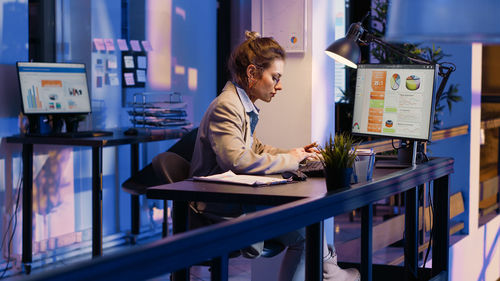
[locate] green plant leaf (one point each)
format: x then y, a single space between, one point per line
339 151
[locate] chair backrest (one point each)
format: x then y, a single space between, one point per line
185 146
151 176
169 167
144 178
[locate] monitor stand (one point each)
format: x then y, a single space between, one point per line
407 153
44 124
71 124
407 157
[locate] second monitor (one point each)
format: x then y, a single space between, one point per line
53 88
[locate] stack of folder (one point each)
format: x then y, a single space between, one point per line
158 110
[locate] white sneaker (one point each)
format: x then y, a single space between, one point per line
332 272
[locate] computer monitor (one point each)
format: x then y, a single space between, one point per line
53 88
395 101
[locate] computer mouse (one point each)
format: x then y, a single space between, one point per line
295 175
131 132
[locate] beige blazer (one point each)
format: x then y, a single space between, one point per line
223 142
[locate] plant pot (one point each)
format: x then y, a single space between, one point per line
337 178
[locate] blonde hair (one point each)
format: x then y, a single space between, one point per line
256 50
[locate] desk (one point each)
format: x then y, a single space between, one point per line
97 144
386 182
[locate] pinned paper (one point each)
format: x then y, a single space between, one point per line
142 62
122 44
179 70
110 46
141 76
128 61
113 79
129 79
99 67
147 46
98 82
134 44
112 64
99 44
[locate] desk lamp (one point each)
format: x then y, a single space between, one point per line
346 51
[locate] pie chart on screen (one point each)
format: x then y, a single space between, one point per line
412 82
395 81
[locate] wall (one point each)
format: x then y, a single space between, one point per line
192 30
14 42
457 147
303 111
477 256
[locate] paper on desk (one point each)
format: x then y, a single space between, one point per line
230 177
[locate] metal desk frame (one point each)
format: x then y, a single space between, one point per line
97 144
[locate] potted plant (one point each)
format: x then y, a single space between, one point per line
338 156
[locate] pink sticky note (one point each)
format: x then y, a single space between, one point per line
110 46
122 44
147 46
99 44
129 79
134 44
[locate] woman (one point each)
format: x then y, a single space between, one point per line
226 141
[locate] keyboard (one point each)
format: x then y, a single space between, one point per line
312 168
80 134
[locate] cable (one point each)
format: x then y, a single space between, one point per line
10 222
393 146
14 216
400 146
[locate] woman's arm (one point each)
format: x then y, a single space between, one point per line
226 136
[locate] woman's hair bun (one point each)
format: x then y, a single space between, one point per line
251 35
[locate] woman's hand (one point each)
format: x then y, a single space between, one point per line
301 154
312 148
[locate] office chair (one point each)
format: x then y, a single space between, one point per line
166 167
148 176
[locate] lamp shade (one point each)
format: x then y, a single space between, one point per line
345 51
444 21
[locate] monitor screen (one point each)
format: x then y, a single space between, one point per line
395 101
53 88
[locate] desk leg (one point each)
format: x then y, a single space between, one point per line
411 234
220 268
96 201
27 206
134 199
366 242
179 219
314 251
440 243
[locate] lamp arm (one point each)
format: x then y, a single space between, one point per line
444 71
414 58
